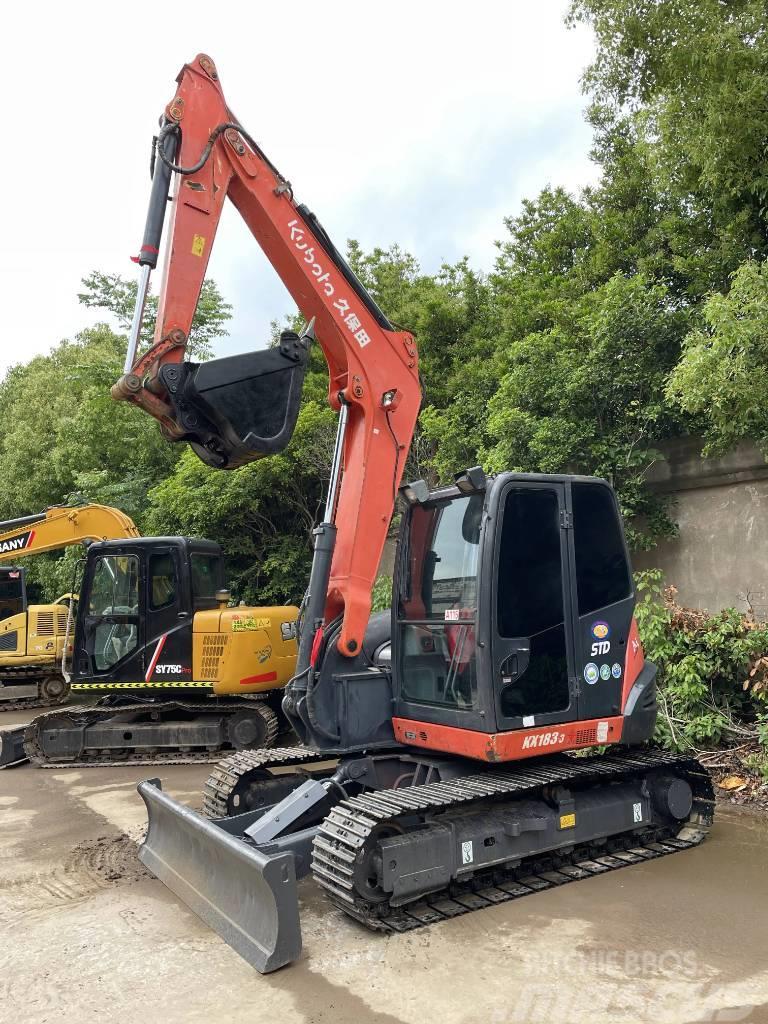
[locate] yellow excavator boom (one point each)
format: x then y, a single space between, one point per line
60 526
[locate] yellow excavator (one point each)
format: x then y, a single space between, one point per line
181 676
36 639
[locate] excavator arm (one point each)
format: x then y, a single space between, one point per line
227 409
59 527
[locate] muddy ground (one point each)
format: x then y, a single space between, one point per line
87 935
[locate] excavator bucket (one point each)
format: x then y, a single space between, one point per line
240 408
246 895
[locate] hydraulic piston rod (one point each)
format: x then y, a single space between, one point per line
150 246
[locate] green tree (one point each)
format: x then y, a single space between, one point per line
722 376
62 437
117 296
692 76
261 514
588 396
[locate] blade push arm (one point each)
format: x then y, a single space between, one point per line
59 527
372 367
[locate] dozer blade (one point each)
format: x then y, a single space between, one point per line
247 896
12 747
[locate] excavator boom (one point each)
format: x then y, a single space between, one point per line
61 526
373 368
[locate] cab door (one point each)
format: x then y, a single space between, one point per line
532 646
168 620
604 595
109 628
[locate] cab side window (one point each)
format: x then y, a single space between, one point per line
162 581
602 571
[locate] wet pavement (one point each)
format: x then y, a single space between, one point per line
86 934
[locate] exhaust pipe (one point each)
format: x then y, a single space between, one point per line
246 894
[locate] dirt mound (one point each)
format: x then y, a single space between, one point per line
108 859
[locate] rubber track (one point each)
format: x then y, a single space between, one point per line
37 756
225 776
28 703
348 827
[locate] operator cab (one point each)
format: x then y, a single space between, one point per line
13 591
513 603
137 606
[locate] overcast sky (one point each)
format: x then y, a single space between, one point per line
422 123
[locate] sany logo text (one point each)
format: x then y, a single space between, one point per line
17 543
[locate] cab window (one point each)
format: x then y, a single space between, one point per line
206 573
113 605
602 572
162 581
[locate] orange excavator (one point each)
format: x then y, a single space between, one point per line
434 772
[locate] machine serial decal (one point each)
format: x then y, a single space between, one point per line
616 670
264 654
249 624
174 670
591 673
605 672
17 543
543 739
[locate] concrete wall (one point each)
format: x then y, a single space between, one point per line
720 557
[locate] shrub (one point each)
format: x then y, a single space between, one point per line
713 669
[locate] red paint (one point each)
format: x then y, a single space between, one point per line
317 641
155 656
634 662
267 677
504 746
31 538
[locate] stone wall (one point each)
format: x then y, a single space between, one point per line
720 557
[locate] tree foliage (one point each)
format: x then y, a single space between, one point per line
611 320
723 374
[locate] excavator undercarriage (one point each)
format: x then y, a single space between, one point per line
446 840
119 732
